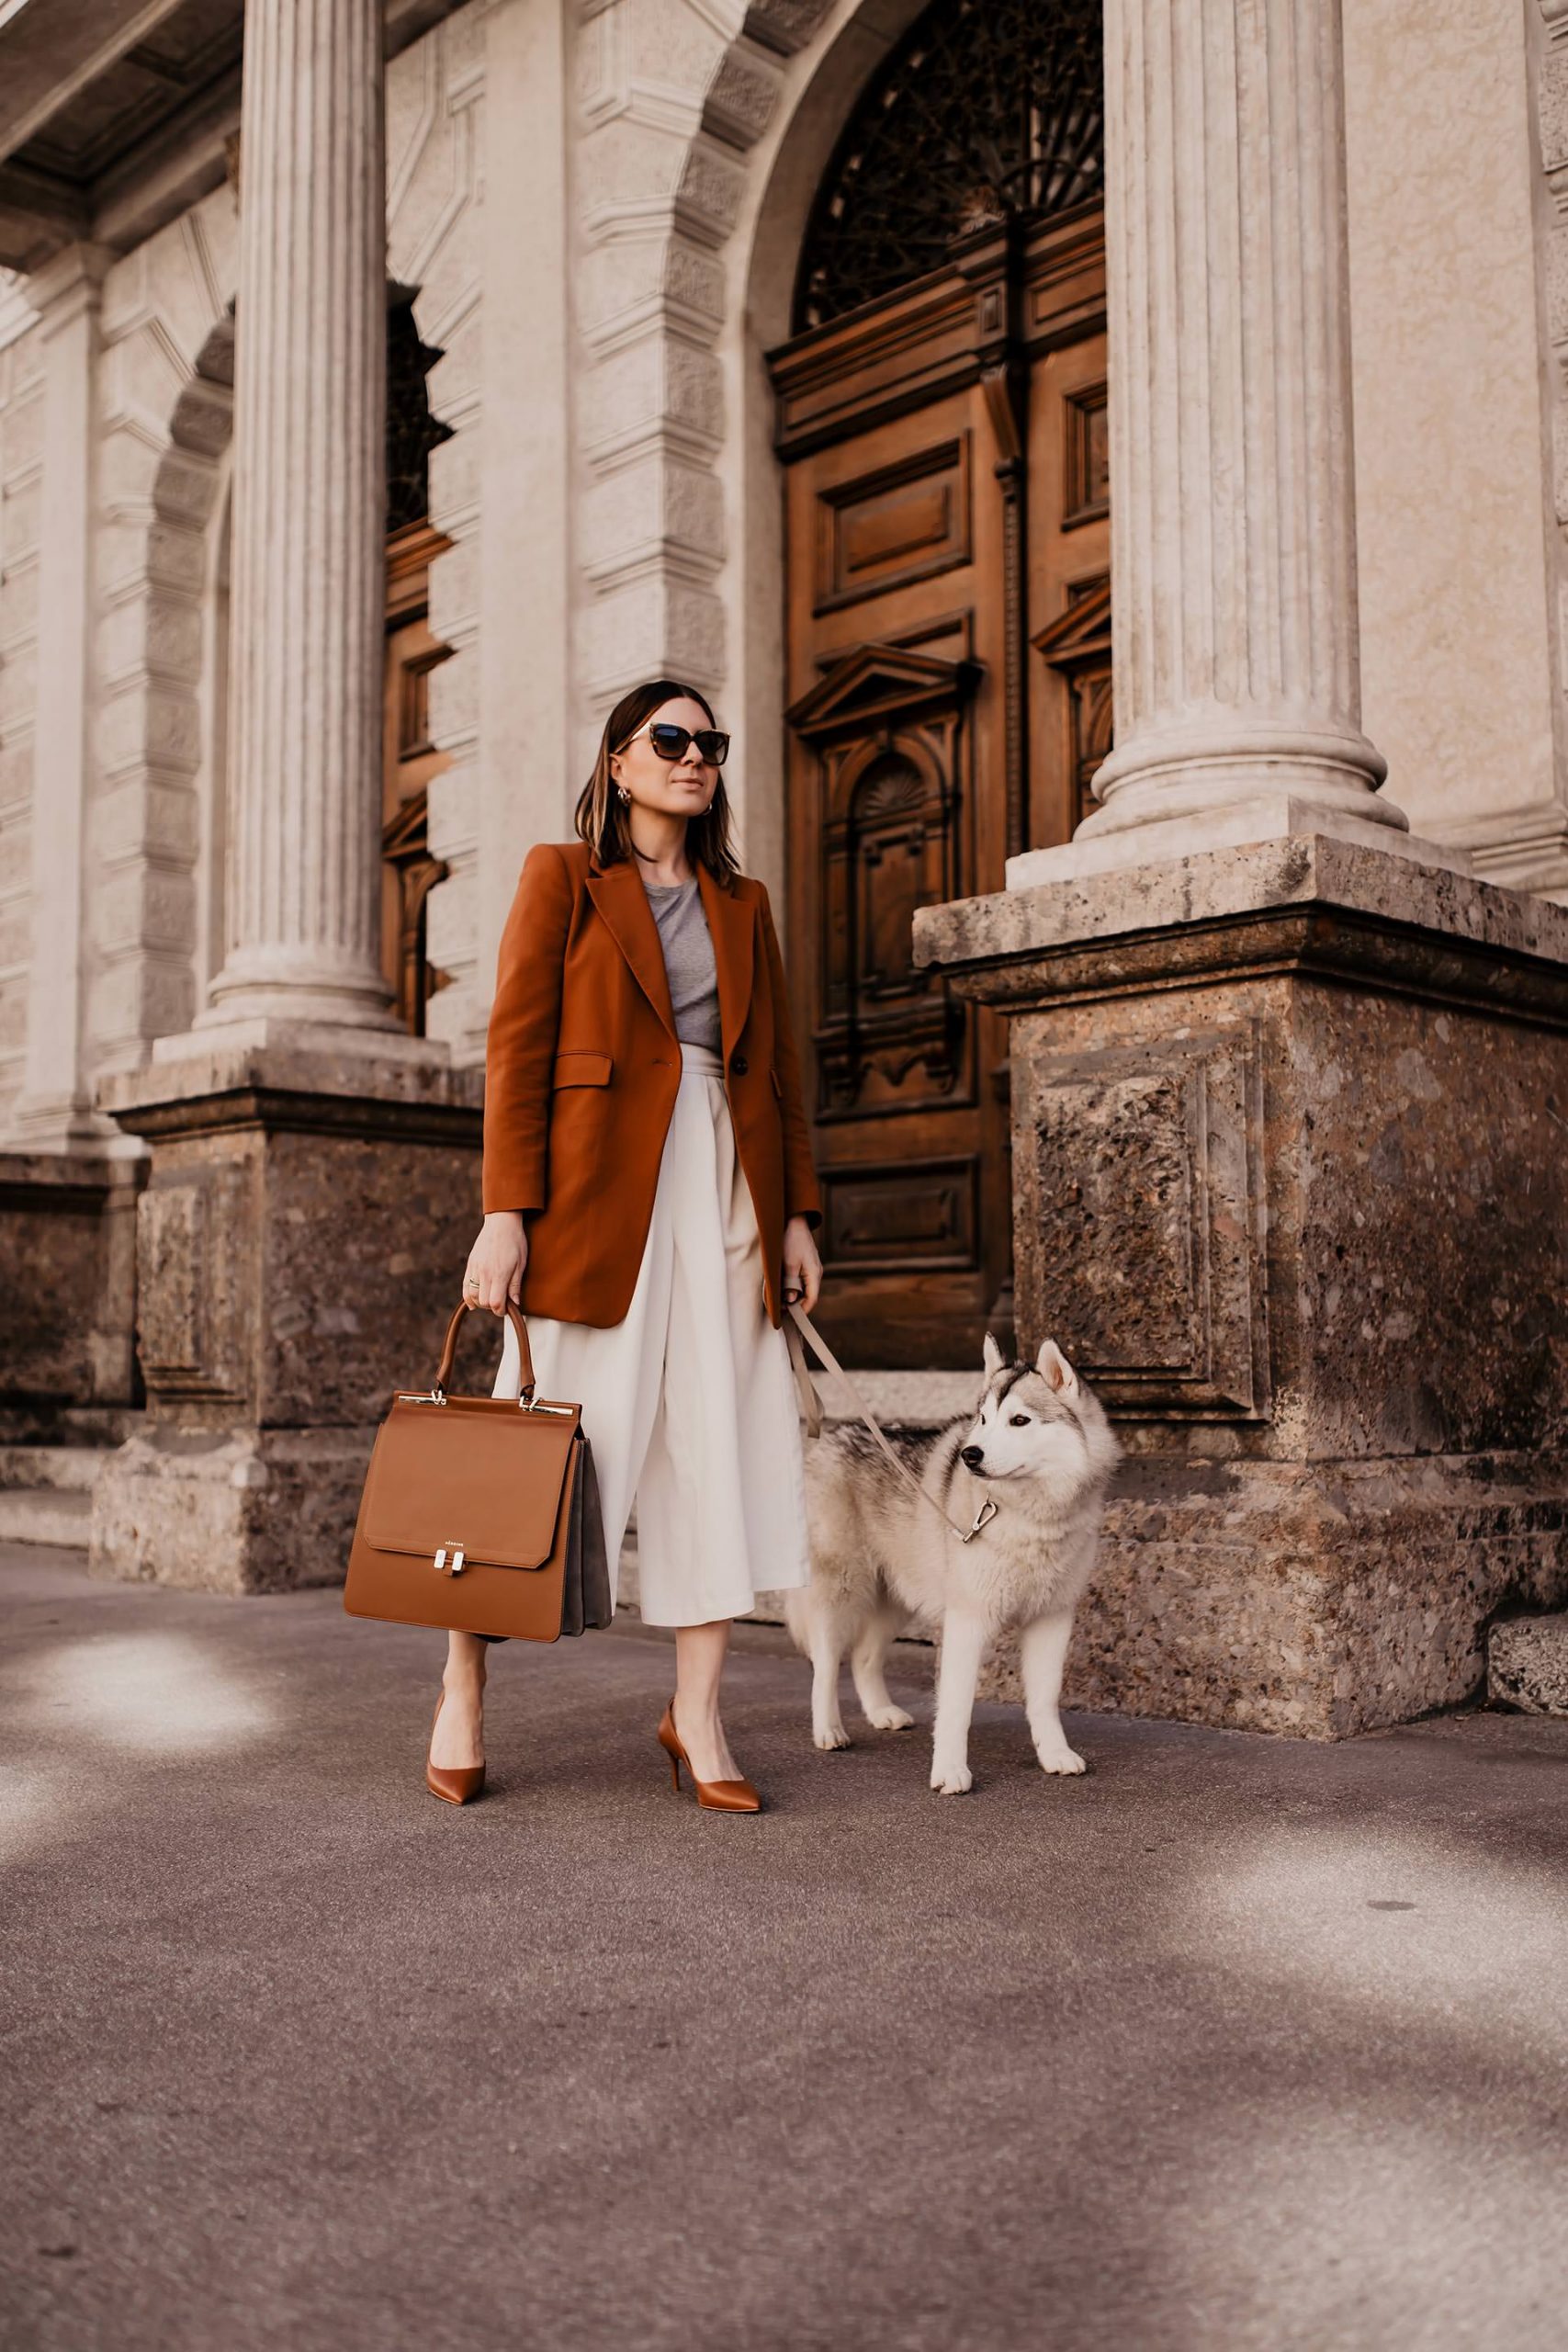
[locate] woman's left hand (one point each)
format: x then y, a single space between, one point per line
802 1266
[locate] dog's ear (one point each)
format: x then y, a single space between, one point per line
1052 1366
994 1356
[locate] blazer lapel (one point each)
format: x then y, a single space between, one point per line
732 923
617 892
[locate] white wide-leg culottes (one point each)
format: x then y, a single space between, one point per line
689 1402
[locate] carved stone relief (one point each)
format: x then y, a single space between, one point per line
1138 1218
185 1324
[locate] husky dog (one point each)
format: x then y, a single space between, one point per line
1041 1445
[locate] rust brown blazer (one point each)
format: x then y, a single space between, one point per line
582 1065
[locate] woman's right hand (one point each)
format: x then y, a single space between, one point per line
496 1262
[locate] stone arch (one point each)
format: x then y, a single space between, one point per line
165 423
697 194
435 97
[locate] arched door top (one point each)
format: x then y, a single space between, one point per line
987 109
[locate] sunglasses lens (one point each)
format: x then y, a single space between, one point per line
669 742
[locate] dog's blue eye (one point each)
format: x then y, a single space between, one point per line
1021 1420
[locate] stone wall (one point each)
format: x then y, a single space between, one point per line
1461 687
22 442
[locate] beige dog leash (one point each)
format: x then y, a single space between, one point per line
802 1328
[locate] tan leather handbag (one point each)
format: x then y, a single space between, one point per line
482 1513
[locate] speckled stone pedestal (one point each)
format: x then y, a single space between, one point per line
1291 1186
299 1245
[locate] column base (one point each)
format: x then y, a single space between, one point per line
60 1125
1267 816
322 1053
237 1511
298 984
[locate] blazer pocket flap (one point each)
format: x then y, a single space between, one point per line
582 1069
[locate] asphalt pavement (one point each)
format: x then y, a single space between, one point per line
1235 2042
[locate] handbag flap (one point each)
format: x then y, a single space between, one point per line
475 1473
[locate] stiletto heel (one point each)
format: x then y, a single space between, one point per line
715 1796
454 1785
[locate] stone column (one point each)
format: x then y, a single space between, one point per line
54 1111
313 1187
1232 508
308 595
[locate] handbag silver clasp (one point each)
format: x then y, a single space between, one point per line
449 1560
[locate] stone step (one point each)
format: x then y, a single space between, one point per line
46 1515
94 1429
52 1465
926 1400
1527 1664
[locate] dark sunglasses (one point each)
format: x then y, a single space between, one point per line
669 742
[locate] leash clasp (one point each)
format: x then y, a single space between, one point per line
983 1518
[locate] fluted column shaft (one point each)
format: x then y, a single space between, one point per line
307 591
1233 503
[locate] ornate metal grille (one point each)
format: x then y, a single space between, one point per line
986 108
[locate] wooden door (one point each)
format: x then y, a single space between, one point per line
948 665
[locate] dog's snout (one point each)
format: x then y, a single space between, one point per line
973 1456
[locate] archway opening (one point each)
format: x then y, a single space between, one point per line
940 416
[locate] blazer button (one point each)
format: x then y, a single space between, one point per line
738 1065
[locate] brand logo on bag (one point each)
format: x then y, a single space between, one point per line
449 1560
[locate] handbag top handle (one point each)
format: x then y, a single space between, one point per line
525 1394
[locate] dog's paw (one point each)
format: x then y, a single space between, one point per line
888 1719
1061 1760
835 1736
951 1779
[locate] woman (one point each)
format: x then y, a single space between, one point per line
649 1199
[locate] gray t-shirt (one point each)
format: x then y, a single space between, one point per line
689 963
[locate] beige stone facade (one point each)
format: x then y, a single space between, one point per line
1337 323
601 278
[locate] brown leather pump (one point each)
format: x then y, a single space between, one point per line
454 1784
718 1796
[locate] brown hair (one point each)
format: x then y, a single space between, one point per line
602 816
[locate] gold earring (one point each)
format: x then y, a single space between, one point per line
624 795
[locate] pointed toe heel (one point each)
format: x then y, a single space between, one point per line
454 1785
714 1796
